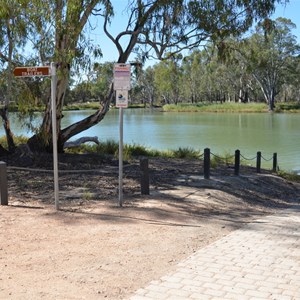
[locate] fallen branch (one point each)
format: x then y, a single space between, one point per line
82 140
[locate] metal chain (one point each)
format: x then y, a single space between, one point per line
248 158
222 158
266 159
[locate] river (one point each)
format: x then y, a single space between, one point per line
221 132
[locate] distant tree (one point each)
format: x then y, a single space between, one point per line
270 56
168 79
144 87
80 93
101 80
193 70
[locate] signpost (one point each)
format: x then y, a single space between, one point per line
32 71
122 77
47 71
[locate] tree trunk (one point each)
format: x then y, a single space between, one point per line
4 110
86 123
38 144
8 132
272 102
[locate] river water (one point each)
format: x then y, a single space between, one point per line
221 132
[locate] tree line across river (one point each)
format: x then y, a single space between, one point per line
262 68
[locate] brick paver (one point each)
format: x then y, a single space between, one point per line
259 261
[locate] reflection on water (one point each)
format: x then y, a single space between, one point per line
222 132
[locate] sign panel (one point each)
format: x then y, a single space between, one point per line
122 98
122 76
32 71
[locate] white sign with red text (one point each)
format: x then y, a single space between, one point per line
122 77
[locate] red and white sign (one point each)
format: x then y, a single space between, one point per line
32 71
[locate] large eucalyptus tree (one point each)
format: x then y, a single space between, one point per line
270 54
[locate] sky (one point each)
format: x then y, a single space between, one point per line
290 11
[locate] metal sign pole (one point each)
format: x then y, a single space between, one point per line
121 157
122 78
54 133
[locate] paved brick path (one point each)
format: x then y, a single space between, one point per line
260 261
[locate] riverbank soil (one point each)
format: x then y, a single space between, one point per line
93 249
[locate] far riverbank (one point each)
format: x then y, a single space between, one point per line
233 107
226 107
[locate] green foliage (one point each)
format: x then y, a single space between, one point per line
108 147
188 153
288 107
226 158
17 139
289 176
136 150
82 106
269 56
111 147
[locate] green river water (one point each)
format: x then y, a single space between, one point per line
221 132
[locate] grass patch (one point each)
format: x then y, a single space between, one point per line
188 153
216 159
111 147
219 107
289 176
18 139
82 106
288 107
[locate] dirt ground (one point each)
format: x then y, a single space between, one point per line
93 249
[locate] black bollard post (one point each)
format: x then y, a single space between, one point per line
144 166
258 162
237 163
206 163
3 184
275 162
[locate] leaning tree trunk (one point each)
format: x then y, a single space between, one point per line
37 143
86 123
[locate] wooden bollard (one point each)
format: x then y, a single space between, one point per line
3 184
206 163
258 162
144 166
237 163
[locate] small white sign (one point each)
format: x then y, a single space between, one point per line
122 76
122 98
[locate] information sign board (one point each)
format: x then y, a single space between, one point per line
122 76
